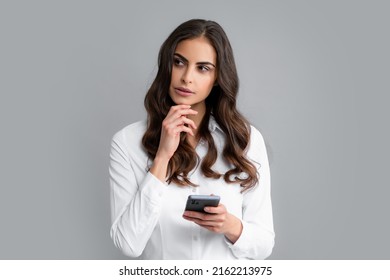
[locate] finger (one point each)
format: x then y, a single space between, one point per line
175 126
213 210
202 216
176 108
192 214
185 129
195 214
189 122
183 116
184 120
220 209
208 223
180 106
177 112
195 220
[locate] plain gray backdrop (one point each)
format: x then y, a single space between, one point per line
314 80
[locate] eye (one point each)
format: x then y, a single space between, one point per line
203 68
178 61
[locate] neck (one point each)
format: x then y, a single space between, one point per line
201 109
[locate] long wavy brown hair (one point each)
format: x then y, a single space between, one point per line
221 102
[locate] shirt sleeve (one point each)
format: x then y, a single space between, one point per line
135 206
257 238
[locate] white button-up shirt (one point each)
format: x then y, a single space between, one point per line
146 213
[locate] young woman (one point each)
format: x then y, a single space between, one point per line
193 142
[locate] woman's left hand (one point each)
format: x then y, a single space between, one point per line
217 220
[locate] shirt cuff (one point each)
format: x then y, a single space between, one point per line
242 244
153 188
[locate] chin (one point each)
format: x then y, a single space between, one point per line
180 101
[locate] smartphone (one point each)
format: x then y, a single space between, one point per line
199 202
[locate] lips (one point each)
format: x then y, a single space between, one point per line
183 91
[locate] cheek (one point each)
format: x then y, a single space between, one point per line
174 74
208 83
211 78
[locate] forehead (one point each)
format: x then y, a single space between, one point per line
196 50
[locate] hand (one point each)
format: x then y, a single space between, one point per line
173 124
217 220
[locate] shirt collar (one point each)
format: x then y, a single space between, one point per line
213 125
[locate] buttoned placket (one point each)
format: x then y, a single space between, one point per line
196 229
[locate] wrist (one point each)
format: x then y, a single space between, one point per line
162 156
235 229
159 168
161 160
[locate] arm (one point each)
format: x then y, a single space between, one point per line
257 238
135 207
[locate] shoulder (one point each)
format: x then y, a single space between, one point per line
131 134
256 148
255 136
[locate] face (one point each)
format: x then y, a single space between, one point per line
193 72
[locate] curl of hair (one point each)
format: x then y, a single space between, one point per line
221 102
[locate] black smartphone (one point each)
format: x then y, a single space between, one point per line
199 202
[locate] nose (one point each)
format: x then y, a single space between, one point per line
187 76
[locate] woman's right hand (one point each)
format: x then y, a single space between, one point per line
173 124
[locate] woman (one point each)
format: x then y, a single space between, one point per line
193 142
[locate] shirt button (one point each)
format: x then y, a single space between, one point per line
195 238
193 190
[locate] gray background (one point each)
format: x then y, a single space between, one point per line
312 80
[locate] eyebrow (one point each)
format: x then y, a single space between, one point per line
198 63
